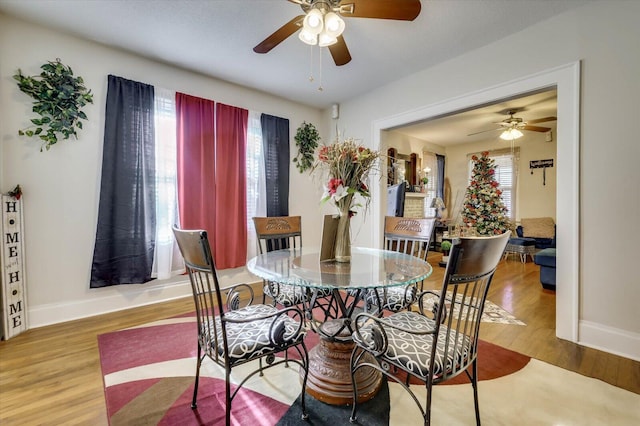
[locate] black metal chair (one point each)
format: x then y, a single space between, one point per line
277 233
437 345
409 236
237 331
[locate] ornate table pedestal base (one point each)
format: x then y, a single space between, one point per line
329 378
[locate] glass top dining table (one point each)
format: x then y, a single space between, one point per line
337 291
369 268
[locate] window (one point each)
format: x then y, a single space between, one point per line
154 142
430 163
167 260
256 203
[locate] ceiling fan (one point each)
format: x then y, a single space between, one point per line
511 127
322 24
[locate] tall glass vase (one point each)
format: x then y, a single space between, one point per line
342 246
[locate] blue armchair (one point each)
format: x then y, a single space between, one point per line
540 230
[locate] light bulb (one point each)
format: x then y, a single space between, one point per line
325 39
511 134
313 22
333 24
308 37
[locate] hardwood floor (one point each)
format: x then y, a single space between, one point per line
51 375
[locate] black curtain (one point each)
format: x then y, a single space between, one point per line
440 188
275 140
125 237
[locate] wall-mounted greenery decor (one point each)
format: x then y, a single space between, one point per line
58 100
307 138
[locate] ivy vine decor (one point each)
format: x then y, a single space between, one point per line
307 138
58 99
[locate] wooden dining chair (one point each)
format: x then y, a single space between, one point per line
434 346
237 332
277 233
409 236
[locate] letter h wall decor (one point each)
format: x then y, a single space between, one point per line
14 297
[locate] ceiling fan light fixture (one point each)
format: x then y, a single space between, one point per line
313 22
511 134
333 24
308 37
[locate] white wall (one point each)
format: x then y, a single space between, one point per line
603 36
61 187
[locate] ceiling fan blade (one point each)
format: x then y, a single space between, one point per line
340 52
279 35
483 131
536 128
541 120
402 10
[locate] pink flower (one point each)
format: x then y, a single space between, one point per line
333 185
322 153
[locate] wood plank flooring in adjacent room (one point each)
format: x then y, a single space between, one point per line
51 375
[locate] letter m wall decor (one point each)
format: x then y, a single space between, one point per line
14 297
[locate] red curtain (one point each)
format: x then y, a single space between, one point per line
211 175
230 246
195 118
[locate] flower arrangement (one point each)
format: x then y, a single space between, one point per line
348 165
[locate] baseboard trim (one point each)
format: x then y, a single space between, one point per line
609 339
118 299
136 295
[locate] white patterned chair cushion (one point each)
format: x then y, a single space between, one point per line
290 295
251 339
284 294
393 298
413 352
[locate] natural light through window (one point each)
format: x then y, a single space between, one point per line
166 260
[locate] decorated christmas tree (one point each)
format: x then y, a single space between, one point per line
483 207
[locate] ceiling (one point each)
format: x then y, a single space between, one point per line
454 129
216 38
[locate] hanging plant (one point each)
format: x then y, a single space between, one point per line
58 100
307 138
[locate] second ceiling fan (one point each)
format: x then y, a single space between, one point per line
322 24
512 126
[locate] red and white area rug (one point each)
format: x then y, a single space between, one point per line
148 378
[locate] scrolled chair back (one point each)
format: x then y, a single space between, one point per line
434 344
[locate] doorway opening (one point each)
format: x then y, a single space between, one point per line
567 81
